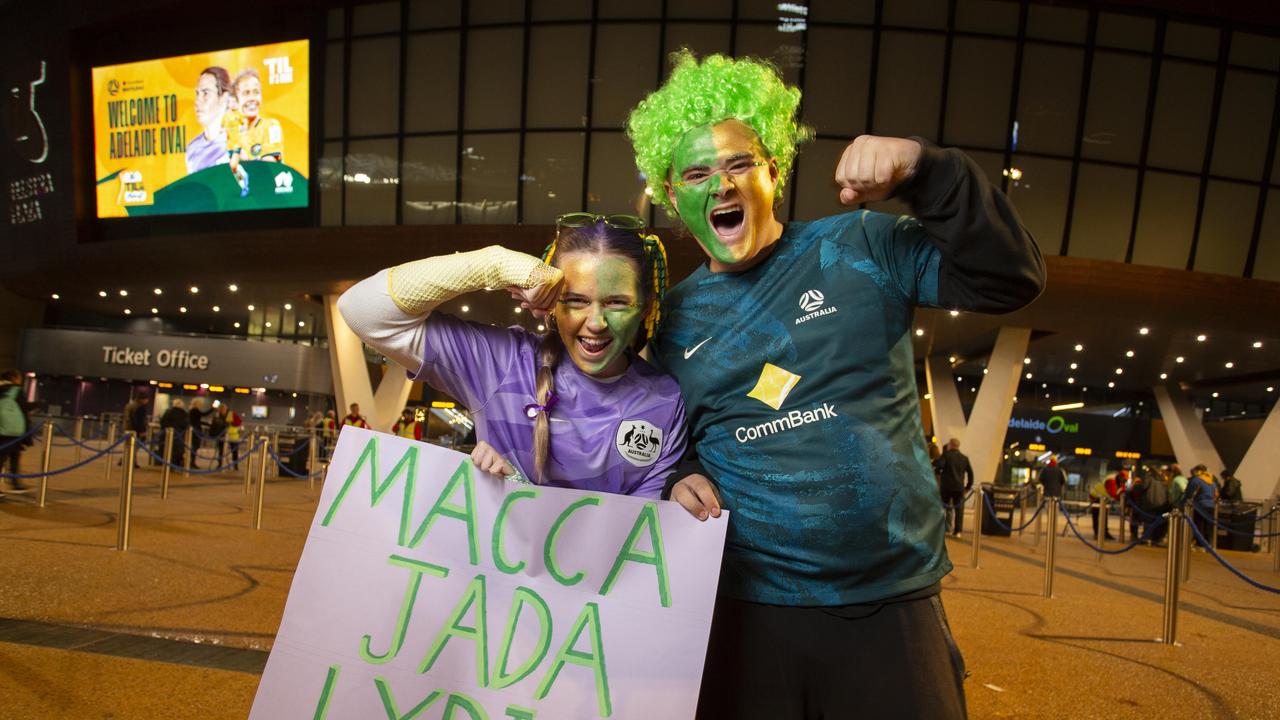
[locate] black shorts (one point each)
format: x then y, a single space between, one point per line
892 660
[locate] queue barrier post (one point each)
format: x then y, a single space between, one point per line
248 463
977 525
1213 536
1173 576
275 445
1022 509
111 440
1040 517
262 483
1187 542
165 467
79 435
188 436
1124 524
311 459
1275 541
1105 521
126 493
1050 548
44 461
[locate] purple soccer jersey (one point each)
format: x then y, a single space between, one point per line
205 153
620 436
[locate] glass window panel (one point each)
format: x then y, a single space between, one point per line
561 10
489 168
850 11
1126 31
909 89
702 38
1191 41
708 9
371 177
329 175
987 16
915 13
429 176
373 18
1266 266
373 104
978 100
1244 125
558 57
1166 220
630 8
1117 107
431 82
1227 227
1180 127
1048 22
552 175
434 13
1256 51
335 22
614 185
835 100
813 183
990 163
1040 197
781 48
494 67
480 12
1049 98
333 90
626 70
1103 213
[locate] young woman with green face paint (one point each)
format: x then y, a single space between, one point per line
605 420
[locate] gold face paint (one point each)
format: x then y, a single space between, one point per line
600 311
723 196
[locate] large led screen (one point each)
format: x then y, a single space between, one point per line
210 132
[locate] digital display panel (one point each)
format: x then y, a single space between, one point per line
209 132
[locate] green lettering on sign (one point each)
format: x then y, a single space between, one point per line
453 627
407 465
416 569
465 512
549 548
588 621
646 520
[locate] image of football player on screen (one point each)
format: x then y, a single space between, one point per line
213 104
259 137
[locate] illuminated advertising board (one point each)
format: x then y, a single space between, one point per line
208 132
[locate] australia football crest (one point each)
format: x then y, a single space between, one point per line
639 442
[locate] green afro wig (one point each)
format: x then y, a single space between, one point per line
719 88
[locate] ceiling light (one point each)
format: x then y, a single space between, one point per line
1073 366
518 311
952 358
301 324
1143 331
1271 388
250 308
237 324
288 306
1164 376
102 293
268 323
919 332
1201 338
182 309
1046 396
466 308
984 371
158 291
127 311
1068 406
1111 384
1257 344
154 311
1079 348
543 328
124 293
973 389
1179 359
1215 394
1071 381
194 289
1026 361
56 296
1128 353
1119 371
1230 365
955 313
232 287
217 309
1028 376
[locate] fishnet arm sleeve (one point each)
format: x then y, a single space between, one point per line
417 287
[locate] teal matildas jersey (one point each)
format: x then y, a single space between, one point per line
799 384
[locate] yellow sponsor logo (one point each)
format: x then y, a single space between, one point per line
773 386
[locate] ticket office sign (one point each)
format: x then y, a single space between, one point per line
428 589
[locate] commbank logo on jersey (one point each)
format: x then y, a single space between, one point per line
639 442
811 300
774 385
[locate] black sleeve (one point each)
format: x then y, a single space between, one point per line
990 263
689 465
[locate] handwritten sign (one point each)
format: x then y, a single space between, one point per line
428 589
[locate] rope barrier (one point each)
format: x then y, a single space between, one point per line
20 438
197 471
1209 548
68 468
1270 512
961 504
1125 549
286 468
987 499
1232 531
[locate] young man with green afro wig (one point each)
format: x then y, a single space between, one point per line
793 345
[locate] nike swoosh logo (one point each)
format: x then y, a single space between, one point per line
689 352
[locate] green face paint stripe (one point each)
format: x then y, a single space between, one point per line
499 527
466 514
589 617
515 712
417 568
647 519
330 680
407 464
520 598
458 701
389 703
474 596
549 548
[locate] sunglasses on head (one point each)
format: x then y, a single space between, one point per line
586 219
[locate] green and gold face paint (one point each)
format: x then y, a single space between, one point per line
722 187
600 311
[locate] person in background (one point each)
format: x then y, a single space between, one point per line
955 478
138 420
1202 496
196 422
329 433
1177 484
178 419
354 418
1232 489
1106 490
13 425
1052 478
407 426
227 425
